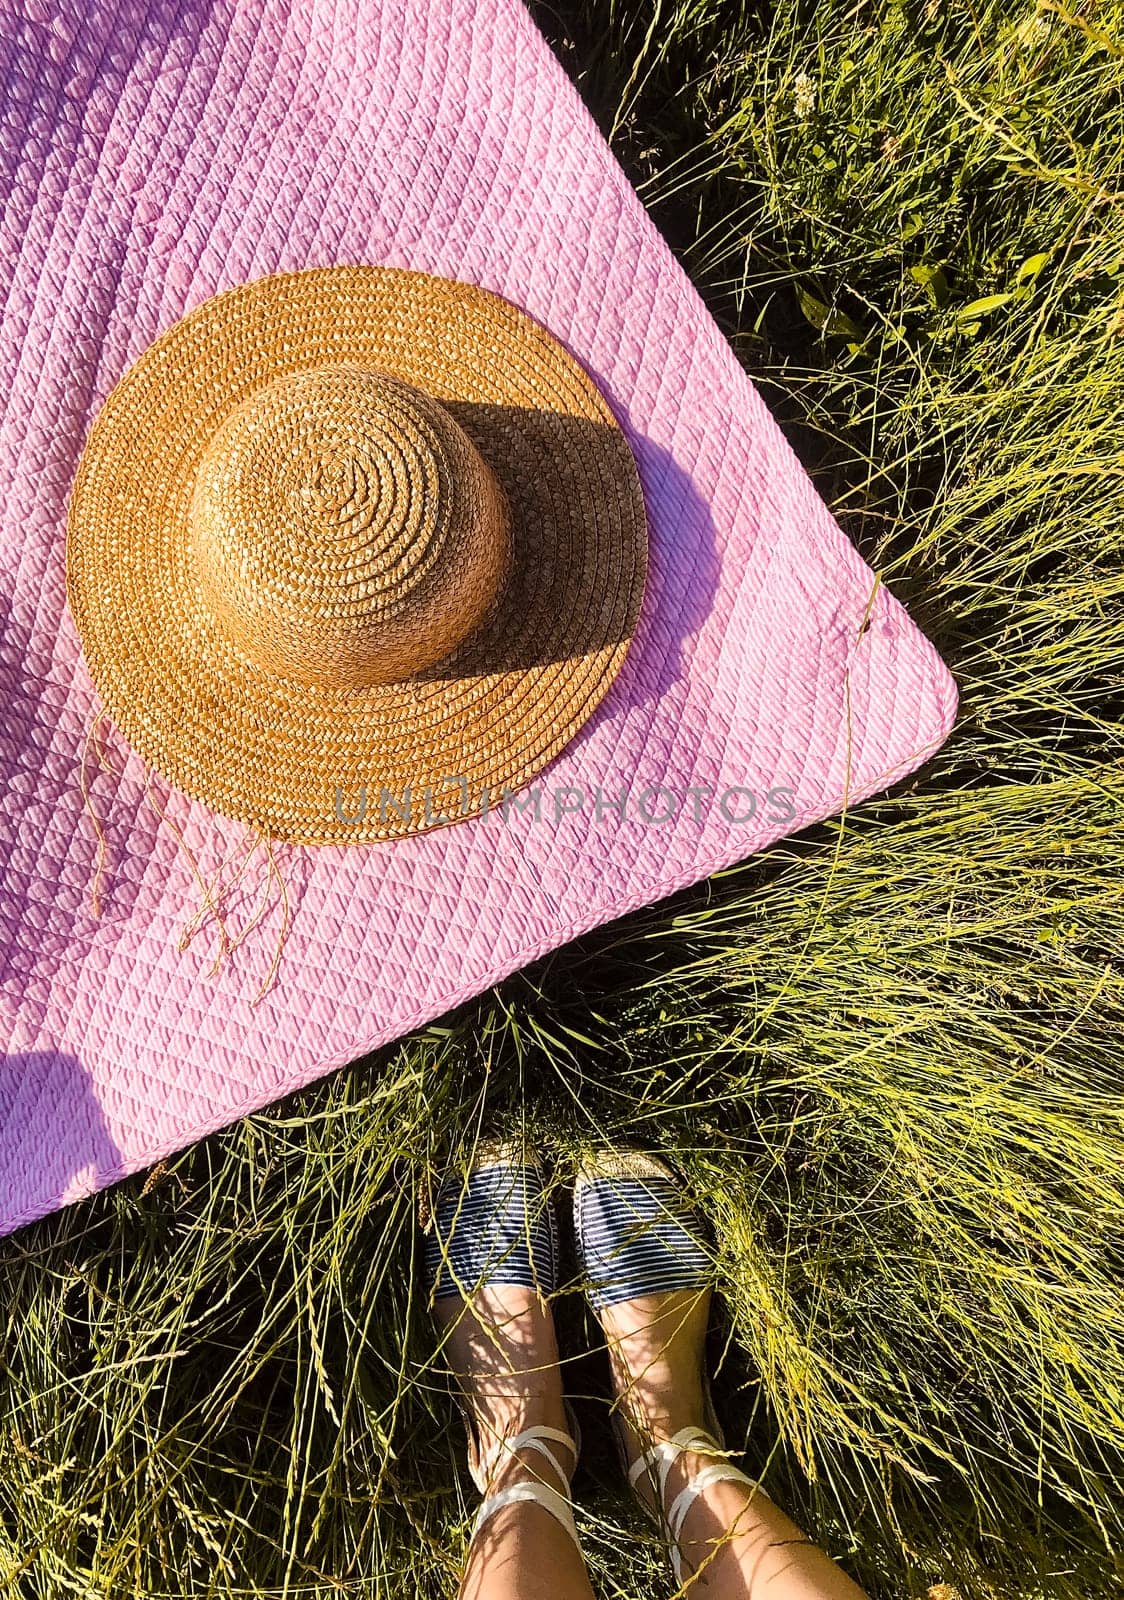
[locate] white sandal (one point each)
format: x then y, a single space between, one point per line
658 1462
559 1505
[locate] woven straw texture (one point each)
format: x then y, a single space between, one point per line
299 581
155 154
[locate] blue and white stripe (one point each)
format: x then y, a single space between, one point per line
496 1227
635 1236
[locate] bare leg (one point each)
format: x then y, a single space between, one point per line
502 1350
736 1544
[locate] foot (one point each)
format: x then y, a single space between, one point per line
491 1259
656 1346
501 1347
647 1275
648 1281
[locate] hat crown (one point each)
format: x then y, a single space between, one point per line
345 529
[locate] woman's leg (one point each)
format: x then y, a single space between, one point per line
502 1349
734 1541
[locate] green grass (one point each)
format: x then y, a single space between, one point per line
887 1053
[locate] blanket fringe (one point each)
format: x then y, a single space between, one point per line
88 807
214 893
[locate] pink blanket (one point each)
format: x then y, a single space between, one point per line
153 153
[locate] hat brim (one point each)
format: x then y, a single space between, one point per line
317 766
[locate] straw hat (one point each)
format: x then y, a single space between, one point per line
354 552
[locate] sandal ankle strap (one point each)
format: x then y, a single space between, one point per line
530 1439
661 1457
721 1472
552 1500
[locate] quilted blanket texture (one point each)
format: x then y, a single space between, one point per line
155 152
